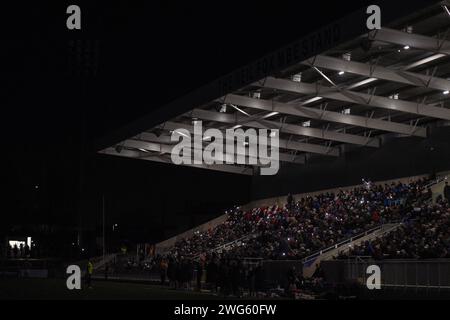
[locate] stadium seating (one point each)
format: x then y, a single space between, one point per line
301 228
426 234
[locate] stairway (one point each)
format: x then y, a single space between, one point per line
310 263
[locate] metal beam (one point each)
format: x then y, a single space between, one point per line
309 132
318 114
167 149
355 97
410 39
284 144
379 72
142 156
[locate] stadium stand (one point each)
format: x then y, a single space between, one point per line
309 225
273 250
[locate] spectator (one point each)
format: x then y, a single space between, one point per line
447 191
199 275
15 251
163 271
106 270
89 272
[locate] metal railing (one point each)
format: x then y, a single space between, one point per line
433 274
342 243
435 181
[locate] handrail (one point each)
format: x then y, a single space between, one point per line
436 181
340 244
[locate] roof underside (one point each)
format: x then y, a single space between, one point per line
389 83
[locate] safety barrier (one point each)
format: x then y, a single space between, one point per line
431 274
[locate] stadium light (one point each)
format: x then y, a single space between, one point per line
306 123
270 115
240 110
312 100
297 77
180 133
446 9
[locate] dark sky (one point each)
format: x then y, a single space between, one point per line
60 87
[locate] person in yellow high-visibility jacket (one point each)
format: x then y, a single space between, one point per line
90 271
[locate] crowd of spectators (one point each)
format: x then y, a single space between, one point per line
219 274
425 234
15 251
303 227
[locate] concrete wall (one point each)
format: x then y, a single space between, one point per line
167 244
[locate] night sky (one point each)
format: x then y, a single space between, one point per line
61 90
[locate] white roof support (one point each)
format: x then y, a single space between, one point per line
143 156
307 131
379 72
355 97
167 149
410 39
318 114
284 144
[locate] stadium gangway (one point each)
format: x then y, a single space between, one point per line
380 230
436 181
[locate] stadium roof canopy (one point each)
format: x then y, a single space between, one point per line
340 88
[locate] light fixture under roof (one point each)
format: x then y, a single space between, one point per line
297 77
341 73
406 47
270 114
256 95
306 123
223 108
347 56
347 111
180 133
143 150
446 9
446 92
394 96
240 110
311 100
